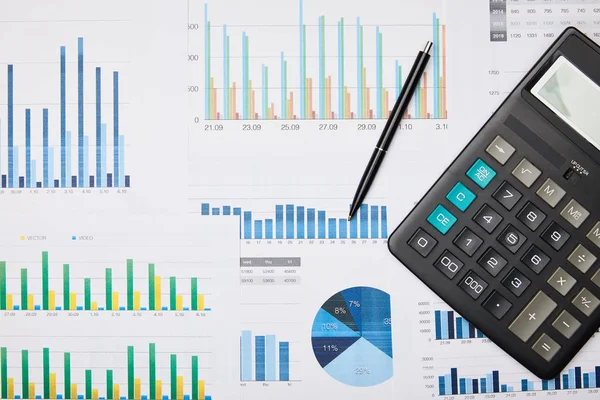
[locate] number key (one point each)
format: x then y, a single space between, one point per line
473 285
487 218
555 236
449 264
531 216
512 239
516 282
535 259
507 195
492 261
468 241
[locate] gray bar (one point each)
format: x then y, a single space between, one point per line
269 261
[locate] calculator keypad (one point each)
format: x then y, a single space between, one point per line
488 218
561 281
531 216
497 305
586 302
535 259
566 324
526 172
533 316
574 213
516 282
594 234
492 261
468 241
551 193
555 236
500 149
582 258
512 239
546 347
507 195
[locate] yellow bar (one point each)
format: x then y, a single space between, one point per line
94 305
53 386
180 388
200 390
136 300
200 302
11 388
116 391
73 301
31 390
73 390
137 388
51 300
9 302
115 301
30 302
158 387
95 394
179 302
157 296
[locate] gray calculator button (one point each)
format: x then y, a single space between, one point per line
422 242
562 281
586 302
546 347
526 172
551 193
566 324
582 258
594 234
532 316
596 278
500 150
574 213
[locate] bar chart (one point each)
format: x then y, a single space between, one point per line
339 68
449 325
263 358
45 147
301 222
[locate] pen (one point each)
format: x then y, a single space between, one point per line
390 128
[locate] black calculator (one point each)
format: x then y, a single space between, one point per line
509 235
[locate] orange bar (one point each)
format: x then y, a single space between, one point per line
310 99
290 112
349 114
212 105
328 95
368 103
365 106
230 111
233 102
386 104
251 106
444 111
424 94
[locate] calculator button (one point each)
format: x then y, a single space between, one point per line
582 258
555 236
586 302
492 261
487 218
516 282
546 347
449 264
481 173
594 234
526 172
473 285
422 242
566 324
507 195
562 281
532 316
512 239
497 305
441 219
535 259
500 149
461 197
596 278
551 193
531 216
468 242
574 213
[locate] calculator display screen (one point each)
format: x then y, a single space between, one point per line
574 97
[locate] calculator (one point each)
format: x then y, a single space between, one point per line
509 235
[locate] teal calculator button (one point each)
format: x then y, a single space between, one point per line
481 173
461 197
441 219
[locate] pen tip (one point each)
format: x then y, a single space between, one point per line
349 217
428 47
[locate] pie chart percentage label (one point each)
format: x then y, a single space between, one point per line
352 336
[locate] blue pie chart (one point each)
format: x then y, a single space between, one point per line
352 336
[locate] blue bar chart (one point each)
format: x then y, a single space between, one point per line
300 222
263 358
41 149
449 325
453 384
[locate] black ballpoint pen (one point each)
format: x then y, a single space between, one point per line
390 128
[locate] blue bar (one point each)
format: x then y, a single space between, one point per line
530 386
284 361
245 88
268 229
483 385
572 378
489 384
375 209
302 61
11 161
36 307
310 223
86 158
354 227
121 161
435 71
270 353
438 325
279 222
384 232
205 208
225 74
503 388
79 308
480 334
289 221
359 71
165 308
332 228
103 155
467 327
340 73
116 159
216 211
186 309
185 397
68 159
246 356
577 377
321 71
144 397
3 181
226 210
51 166
16 165
58 308
444 325
259 342
300 222
16 308
496 381
45 144
459 327
343 228
21 182
247 224
80 143
80 397
441 386
523 385
364 221
597 376
237 211
63 117
257 229
98 127
594 378
454 378
463 389
586 381
59 396
28 148
121 308
450 324
379 96
321 217
545 384
565 381
448 384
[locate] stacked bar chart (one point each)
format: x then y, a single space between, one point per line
452 384
448 325
42 150
574 378
263 358
18 287
340 70
301 222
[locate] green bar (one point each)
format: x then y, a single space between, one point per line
304 83
67 364
173 293
25 373
88 383
24 290
195 294
322 74
109 384
343 82
173 376
108 289
2 286
380 72
66 290
287 116
44 280
130 284
152 363
4 372
46 373
227 86
195 378
364 84
151 285
87 287
130 377
437 62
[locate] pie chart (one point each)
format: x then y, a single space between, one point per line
352 336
